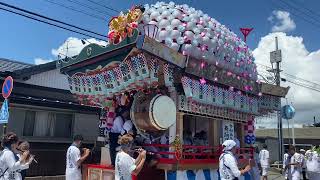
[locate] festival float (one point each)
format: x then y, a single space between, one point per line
184 71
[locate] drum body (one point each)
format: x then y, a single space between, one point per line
153 113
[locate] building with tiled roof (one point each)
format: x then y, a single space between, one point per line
7 65
45 113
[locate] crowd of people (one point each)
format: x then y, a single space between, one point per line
296 165
301 165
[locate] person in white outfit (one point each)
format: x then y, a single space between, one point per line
264 158
228 166
302 154
294 164
125 165
285 158
127 127
10 163
74 159
313 164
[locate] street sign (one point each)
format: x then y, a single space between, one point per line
7 87
4 113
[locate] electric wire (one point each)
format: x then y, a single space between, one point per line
45 22
76 10
50 19
107 7
90 7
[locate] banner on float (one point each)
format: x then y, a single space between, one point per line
228 130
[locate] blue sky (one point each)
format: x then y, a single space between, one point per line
25 40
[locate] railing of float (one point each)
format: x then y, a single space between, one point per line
194 154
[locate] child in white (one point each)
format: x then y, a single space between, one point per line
264 161
313 164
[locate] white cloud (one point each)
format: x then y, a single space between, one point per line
71 47
297 61
281 21
38 61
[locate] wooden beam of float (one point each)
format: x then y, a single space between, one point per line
162 51
274 90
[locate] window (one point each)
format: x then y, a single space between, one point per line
47 124
29 123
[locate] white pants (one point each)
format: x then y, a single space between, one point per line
73 174
313 175
265 171
294 176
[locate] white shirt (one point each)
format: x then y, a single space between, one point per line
117 125
127 126
228 166
8 162
294 171
303 161
73 171
285 158
312 161
23 167
264 158
124 166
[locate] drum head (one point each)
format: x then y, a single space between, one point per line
163 111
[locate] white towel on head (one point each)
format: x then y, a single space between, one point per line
228 145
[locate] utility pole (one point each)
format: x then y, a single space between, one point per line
276 58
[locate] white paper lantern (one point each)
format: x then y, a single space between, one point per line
175 23
177 14
175 46
154 15
187 48
163 34
175 34
189 35
164 23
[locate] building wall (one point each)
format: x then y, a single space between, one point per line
53 79
84 124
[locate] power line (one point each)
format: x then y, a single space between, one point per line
296 80
297 9
107 7
47 18
301 85
304 7
294 14
89 7
75 10
39 20
292 76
